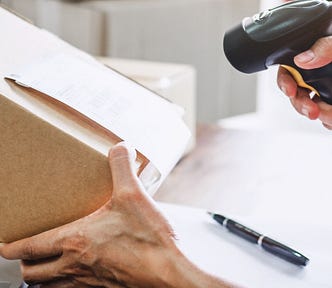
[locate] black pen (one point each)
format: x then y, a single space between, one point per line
266 243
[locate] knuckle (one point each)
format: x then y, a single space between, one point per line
325 41
75 270
324 46
79 246
88 258
75 243
28 251
119 151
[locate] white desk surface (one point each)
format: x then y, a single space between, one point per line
219 252
279 184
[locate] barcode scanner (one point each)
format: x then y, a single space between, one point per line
277 35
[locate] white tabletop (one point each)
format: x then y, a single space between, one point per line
286 195
221 253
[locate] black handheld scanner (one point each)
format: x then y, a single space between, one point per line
276 35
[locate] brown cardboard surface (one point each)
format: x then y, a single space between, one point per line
50 171
47 178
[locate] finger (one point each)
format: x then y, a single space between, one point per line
56 284
70 283
128 189
319 55
41 246
286 82
304 105
43 271
121 161
67 283
327 126
47 270
325 113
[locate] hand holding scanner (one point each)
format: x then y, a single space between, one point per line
277 35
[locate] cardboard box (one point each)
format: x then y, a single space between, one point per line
61 18
54 166
176 82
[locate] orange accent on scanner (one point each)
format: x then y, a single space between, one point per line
299 79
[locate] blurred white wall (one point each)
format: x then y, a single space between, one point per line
179 31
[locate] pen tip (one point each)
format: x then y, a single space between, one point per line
306 262
210 213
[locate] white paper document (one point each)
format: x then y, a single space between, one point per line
215 250
147 121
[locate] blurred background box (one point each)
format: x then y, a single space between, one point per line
175 82
84 27
175 31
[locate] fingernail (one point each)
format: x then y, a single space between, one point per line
305 57
131 149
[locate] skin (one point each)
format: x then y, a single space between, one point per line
319 55
126 243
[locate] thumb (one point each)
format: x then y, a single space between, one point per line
121 160
319 55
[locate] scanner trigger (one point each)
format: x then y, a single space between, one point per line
299 80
